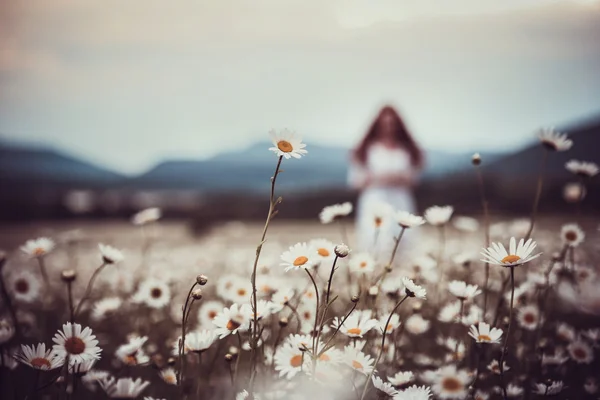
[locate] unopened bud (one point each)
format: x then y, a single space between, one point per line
373 291
202 280
228 357
171 361
476 159
197 294
341 250
68 275
283 322
388 268
355 299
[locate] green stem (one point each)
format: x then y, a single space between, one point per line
88 289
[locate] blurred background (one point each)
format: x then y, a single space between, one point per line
109 107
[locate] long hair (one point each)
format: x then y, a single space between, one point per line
401 135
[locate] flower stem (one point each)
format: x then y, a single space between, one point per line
71 306
538 194
182 360
88 289
367 383
314 335
388 267
505 347
486 227
43 271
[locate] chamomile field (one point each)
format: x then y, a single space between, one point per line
439 306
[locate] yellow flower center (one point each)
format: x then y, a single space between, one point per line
38 251
363 264
212 314
356 365
509 259
484 338
40 363
299 261
323 252
324 357
170 379
285 146
232 325
296 361
452 385
389 327
378 221
354 331
241 292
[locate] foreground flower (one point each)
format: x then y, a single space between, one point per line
582 168
289 360
555 141
334 212
580 352
153 292
384 387
572 235
146 216
110 255
414 393
358 361
124 388
462 290
451 383
357 324
76 343
233 319
516 255
543 389
38 358
287 144
407 220
300 255
132 353
438 215
38 247
412 289
483 333
24 286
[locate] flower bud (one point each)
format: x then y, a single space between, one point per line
476 159
228 357
202 280
355 299
341 250
68 275
197 294
283 322
171 361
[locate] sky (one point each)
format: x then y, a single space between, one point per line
127 84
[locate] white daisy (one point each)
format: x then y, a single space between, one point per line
300 255
110 255
424 267
361 263
153 292
78 344
7 331
583 274
106 307
240 291
572 235
479 395
93 377
334 212
514 390
580 352
38 358
543 389
82 368
416 324
264 308
412 289
208 311
146 216
289 360
324 248
380 213
38 247
123 388
244 395
281 297
451 383
517 255
494 367
287 144
358 361
462 290
554 140
414 393
483 333
132 353
357 324
582 168
384 387
438 215
389 328
574 192
528 317
24 286
169 376
557 358
450 312
407 220
401 378
233 319
565 332
590 386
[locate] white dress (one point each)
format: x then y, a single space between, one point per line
381 161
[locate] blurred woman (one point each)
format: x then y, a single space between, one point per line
384 167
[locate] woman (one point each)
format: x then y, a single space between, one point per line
384 168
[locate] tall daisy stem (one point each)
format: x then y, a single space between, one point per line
314 335
388 267
505 347
486 227
182 360
538 194
253 342
368 382
88 289
71 305
43 271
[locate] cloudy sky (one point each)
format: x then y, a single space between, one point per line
129 83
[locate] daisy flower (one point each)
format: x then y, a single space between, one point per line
132 353
7 331
82 368
583 274
574 192
24 286
110 255
558 358
300 255
358 361
450 312
401 378
572 235
565 332
380 213
494 367
389 328
239 291
289 360
106 307
40 247
407 220
384 387
153 292
590 386
146 216
553 140
425 267
412 289
264 308
438 215
169 376
357 324
580 352
76 343
37 357
479 395
361 263
233 319
244 395
514 390
451 383
124 388
483 333
324 248
414 393
334 212
516 255
208 311
93 377
543 389
528 317
465 224
281 297
287 144
416 325
462 290
582 168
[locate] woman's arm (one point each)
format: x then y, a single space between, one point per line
358 176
